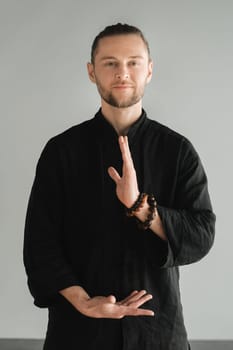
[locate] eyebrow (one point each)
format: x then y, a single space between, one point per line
114 58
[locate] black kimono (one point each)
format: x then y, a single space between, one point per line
77 233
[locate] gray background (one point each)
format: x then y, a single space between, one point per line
44 89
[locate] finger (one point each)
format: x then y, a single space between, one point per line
127 298
139 312
128 161
138 299
136 304
129 311
119 311
124 147
134 292
111 299
127 147
114 174
137 295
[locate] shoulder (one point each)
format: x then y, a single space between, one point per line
75 135
163 132
73 139
169 142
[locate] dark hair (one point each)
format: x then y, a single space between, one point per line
117 29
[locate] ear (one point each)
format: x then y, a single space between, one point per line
91 72
150 71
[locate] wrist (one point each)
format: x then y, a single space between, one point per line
132 201
144 209
76 295
151 213
142 213
137 204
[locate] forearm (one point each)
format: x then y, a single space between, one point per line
76 295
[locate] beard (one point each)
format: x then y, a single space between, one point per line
121 102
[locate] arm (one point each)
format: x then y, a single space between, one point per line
187 230
190 225
45 264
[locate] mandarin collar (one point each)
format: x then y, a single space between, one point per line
107 132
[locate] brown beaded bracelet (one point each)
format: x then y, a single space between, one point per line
152 213
138 204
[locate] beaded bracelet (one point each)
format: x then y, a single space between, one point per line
152 213
138 204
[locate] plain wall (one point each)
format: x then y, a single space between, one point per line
44 89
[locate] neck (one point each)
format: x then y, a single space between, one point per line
121 118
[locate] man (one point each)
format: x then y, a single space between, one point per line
118 203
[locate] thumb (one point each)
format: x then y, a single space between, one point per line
113 174
111 299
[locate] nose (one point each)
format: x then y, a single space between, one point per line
122 76
122 72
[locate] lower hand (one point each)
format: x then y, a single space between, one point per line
108 307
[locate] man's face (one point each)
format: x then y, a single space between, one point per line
121 69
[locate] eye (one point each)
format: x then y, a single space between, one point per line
133 63
110 64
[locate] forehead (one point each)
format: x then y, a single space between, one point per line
125 45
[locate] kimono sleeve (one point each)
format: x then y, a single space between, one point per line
190 225
44 260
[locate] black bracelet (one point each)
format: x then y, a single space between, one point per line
137 204
152 213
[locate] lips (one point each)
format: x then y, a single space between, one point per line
123 86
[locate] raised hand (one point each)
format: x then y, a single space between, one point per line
126 185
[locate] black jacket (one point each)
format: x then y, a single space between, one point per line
77 233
